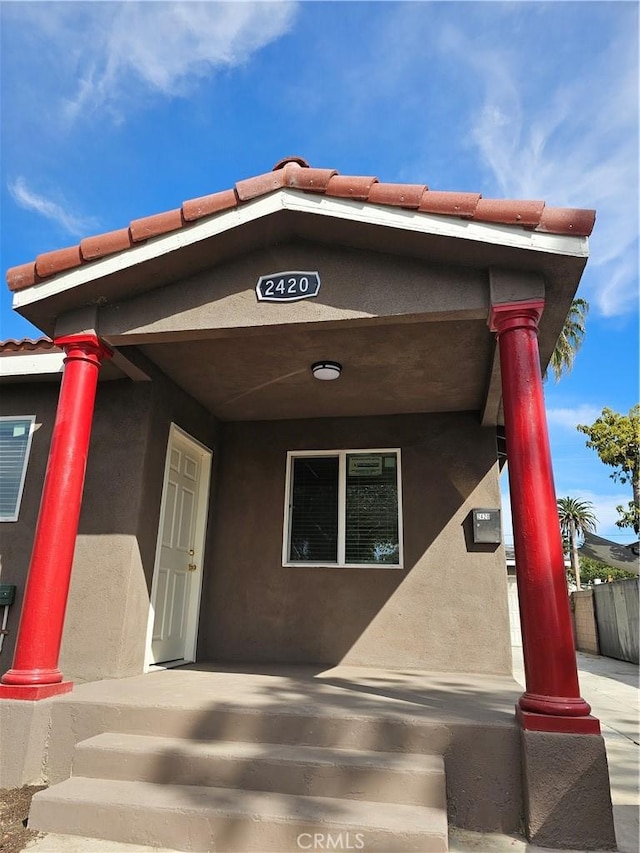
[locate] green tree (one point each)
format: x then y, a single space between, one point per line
570 340
576 518
591 570
616 440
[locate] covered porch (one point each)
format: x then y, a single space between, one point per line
440 325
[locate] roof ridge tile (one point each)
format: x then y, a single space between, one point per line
567 220
92 248
295 173
350 186
450 203
207 205
158 223
508 212
397 195
307 178
51 263
260 185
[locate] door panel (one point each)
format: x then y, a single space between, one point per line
176 584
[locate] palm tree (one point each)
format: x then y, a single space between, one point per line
570 339
576 518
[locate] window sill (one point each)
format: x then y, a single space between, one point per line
311 565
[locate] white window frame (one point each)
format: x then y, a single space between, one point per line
342 509
25 462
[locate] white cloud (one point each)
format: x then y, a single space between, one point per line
131 48
573 145
604 509
70 222
569 418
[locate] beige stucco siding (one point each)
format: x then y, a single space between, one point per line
446 610
355 285
108 606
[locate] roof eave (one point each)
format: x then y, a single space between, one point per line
297 201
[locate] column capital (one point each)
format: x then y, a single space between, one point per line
506 316
84 345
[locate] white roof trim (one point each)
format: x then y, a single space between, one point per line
32 364
296 200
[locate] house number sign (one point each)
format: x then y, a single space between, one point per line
287 286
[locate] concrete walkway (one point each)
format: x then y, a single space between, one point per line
612 689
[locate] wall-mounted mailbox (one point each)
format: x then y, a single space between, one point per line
486 526
7 594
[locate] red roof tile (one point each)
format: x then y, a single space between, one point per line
294 172
105 244
311 180
153 226
525 213
350 186
397 195
450 204
27 345
23 276
51 263
260 185
207 205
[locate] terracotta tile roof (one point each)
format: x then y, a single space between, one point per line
295 173
27 345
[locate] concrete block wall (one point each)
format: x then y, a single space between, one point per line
586 631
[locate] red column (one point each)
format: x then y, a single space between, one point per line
35 672
552 700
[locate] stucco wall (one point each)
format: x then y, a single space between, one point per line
446 610
108 606
106 622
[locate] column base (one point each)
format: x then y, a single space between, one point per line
567 800
532 722
570 706
33 692
31 677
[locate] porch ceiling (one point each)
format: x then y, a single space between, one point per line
390 368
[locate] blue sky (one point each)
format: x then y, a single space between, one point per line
112 111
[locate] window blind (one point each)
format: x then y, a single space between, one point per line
371 509
15 439
314 510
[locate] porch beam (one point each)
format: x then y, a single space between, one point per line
551 701
35 673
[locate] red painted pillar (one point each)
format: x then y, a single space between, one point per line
552 700
35 672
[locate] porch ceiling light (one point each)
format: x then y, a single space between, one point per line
326 369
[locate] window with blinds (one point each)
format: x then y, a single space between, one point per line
343 509
371 534
314 510
15 443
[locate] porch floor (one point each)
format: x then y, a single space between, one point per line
467 698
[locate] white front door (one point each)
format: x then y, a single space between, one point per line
178 571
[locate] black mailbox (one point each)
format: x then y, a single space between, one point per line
486 526
7 594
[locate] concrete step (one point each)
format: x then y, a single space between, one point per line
312 771
196 818
300 724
